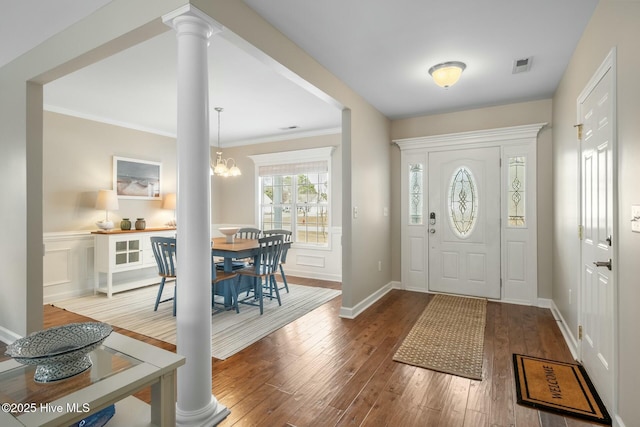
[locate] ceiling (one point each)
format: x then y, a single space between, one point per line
381 49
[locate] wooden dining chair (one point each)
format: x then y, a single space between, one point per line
164 251
260 274
286 237
223 284
248 233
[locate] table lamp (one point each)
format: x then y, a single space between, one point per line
170 203
108 201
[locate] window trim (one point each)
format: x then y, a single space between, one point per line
295 156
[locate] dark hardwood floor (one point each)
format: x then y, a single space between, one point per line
322 370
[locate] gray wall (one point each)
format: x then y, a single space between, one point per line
614 23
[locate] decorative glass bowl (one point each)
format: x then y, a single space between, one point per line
60 352
229 232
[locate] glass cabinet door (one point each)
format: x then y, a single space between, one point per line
127 252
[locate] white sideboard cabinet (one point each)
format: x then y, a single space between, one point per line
123 259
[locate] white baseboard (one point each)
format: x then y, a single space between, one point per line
352 313
571 341
313 275
512 301
77 293
545 303
7 336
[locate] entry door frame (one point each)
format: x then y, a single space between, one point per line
518 253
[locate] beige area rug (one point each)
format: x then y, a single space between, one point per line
230 332
448 337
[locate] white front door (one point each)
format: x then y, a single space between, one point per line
597 280
464 222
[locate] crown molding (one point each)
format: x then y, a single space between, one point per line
506 134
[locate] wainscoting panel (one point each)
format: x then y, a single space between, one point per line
324 263
57 267
310 261
68 265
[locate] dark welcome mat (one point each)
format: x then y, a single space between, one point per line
563 388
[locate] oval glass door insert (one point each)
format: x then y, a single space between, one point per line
463 202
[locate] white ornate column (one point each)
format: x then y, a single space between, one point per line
196 405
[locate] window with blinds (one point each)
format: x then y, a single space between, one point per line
295 197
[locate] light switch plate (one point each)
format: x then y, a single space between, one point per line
635 218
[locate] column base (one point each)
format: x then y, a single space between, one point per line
210 415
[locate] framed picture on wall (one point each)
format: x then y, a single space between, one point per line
137 179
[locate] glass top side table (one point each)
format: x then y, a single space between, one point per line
121 366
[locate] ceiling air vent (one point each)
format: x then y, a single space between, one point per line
521 65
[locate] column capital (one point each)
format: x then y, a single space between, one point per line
191 14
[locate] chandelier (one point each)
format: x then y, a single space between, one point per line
223 167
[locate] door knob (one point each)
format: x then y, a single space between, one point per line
603 264
432 230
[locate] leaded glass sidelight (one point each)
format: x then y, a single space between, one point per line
516 189
463 202
416 193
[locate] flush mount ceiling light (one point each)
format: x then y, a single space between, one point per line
447 73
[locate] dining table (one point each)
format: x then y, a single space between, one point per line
238 249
